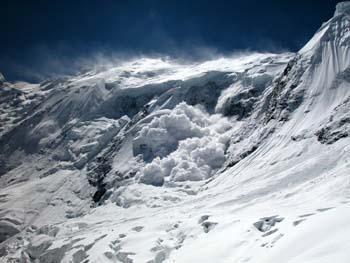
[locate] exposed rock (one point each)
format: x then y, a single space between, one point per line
7 230
338 125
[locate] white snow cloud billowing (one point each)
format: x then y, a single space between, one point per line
185 144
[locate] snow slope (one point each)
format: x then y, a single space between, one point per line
238 159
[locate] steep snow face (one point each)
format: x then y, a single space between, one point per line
240 159
328 54
335 31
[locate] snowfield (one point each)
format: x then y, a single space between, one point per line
237 159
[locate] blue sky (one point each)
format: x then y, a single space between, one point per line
41 38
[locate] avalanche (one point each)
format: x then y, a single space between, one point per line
238 159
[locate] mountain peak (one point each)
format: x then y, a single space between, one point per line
342 8
332 30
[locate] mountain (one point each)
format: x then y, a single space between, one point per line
237 159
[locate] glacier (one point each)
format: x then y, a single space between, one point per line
243 158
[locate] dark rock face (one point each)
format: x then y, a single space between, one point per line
279 85
101 190
7 230
327 136
241 105
287 95
96 177
248 94
100 167
206 95
341 77
338 125
334 131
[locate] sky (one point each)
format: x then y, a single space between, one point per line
42 39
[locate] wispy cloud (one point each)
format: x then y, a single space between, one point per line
43 62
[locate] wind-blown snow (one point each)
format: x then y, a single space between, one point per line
143 71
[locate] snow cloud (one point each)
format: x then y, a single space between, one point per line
184 144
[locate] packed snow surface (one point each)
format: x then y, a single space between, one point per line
243 158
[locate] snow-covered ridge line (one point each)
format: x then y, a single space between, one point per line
143 71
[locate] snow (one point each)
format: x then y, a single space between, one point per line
342 8
192 142
2 78
315 40
89 137
143 71
255 170
300 246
